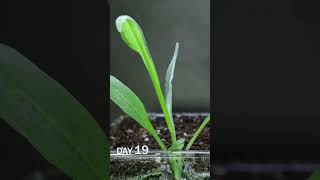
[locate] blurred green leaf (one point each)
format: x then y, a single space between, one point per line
50 118
315 176
131 105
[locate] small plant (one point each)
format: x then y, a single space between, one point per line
121 95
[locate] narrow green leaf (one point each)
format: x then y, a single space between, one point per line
168 84
50 118
196 134
131 105
178 145
132 35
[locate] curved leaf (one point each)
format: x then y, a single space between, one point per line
50 118
131 105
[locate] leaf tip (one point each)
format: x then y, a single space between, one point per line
177 45
121 20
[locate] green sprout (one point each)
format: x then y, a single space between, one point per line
126 99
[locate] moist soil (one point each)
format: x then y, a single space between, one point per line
128 133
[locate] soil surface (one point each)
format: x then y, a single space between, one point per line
131 168
129 133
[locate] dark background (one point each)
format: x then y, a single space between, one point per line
266 80
69 41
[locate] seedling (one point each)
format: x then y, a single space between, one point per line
126 99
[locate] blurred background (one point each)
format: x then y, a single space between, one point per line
67 39
164 23
266 68
266 95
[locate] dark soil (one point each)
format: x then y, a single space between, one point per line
149 168
129 133
131 168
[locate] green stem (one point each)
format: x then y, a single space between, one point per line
175 169
176 166
155 80
196 134
157 138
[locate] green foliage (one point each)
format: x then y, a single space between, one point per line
196 134
132 35
131 104
50 118
178 145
